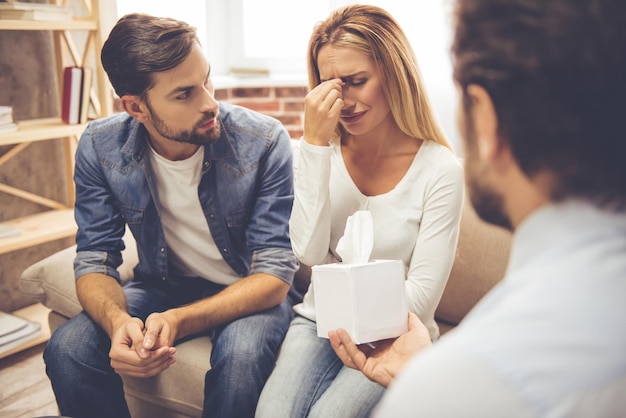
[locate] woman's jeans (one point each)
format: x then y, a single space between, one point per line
243 355
309 380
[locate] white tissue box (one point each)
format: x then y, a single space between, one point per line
367 300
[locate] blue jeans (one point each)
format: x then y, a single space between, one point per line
243 355
309 380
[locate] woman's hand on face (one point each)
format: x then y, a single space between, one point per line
322 107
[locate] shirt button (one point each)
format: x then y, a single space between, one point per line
162 249
163 278
225 250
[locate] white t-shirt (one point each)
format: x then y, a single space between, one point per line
416 222
548 341
191 249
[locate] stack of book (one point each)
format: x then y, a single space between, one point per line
76 94
6 119
7 230
15 331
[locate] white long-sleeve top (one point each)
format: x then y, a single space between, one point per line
416 222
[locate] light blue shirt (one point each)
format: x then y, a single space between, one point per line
245 191
547 341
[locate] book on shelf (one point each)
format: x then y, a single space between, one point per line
85 94
18 10
6 119
15 331
76 96
8 231
72 85
6 114
8 127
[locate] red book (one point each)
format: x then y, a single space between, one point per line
72 83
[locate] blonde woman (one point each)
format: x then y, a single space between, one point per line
370 143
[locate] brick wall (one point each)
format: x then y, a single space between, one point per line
284 103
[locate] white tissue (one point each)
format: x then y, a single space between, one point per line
357 242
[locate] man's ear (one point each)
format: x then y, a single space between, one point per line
485 122
134 106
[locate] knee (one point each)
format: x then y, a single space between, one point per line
250 341
244 356
60 357
77 341
251 352
59 346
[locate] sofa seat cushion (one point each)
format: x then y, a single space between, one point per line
180 388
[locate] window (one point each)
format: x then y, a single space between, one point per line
250 34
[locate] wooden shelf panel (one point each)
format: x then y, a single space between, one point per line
37 313
38 229
40 130
57 223
74 24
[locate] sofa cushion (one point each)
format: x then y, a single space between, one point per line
180 388
47 282
480 262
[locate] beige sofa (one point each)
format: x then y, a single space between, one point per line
480 261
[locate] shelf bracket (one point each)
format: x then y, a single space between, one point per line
13 152
32 197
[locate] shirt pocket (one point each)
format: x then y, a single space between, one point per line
132 216
237 223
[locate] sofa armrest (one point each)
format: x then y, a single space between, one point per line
51 280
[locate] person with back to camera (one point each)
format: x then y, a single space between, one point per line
206 189
541 112
370 143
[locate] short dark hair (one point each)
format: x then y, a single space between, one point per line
140 44
556 73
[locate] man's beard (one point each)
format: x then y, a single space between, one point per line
487 202
188 136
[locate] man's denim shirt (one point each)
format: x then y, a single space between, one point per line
246 193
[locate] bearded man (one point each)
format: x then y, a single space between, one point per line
206 189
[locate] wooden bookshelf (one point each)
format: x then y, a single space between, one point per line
40 130
75 42
74 24
36 313
38 229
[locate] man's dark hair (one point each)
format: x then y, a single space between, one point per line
556 73
140 44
